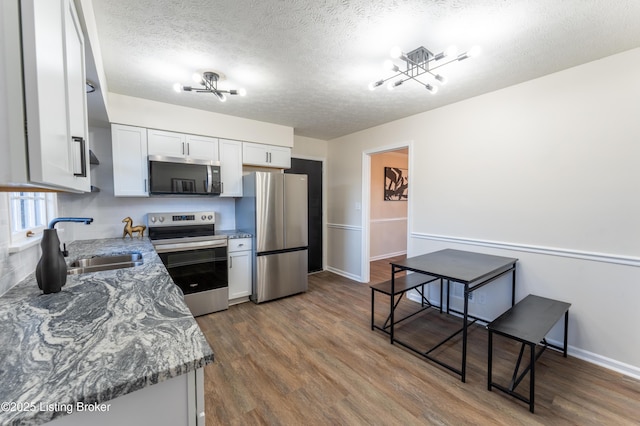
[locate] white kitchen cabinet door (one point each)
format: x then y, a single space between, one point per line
180 145
130 167
202 147
54 75
76 98
231 167
239 274
255 154
280 157
168 144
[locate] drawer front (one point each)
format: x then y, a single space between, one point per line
239 244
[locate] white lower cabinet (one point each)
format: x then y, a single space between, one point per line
177 401
239 269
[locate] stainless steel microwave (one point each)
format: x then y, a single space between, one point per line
183 176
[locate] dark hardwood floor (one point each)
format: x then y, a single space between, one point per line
312 359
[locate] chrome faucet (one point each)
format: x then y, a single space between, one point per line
85 220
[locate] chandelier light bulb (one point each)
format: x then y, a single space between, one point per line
442 79
474 52
388 64
451 51
221 96
396 52
432 89
242 91
390 86
374 84
177 87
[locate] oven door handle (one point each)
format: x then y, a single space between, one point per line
167 248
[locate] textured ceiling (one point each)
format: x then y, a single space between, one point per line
307 64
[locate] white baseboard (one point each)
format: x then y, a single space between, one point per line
344 274
387 255
602 361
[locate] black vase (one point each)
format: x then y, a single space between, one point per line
51 272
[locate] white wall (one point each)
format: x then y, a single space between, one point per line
387 219
157 115
108 211
545 171
304 147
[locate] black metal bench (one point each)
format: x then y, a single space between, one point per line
401 286
528 322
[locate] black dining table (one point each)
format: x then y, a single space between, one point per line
471 269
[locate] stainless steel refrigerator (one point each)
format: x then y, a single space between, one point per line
273 208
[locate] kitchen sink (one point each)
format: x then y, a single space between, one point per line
104 263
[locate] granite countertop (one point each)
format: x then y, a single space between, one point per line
234 233
104 335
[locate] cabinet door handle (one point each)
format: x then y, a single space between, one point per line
182 148
267 155
145 186
187 148
230 262
81 153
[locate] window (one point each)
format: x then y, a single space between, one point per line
29 213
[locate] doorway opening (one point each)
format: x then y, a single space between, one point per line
386 204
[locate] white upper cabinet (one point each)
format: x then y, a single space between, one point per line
54 91
256 154
231 168
179 145
130 166
202 147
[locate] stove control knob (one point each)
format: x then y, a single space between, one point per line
203 217
161 219
210 217
153 219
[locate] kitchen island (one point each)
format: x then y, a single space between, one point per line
105 335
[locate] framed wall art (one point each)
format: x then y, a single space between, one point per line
396 184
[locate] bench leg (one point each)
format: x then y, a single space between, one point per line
532 377
566 329
372 306
490 361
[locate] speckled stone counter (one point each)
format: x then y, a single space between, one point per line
106 334
232 234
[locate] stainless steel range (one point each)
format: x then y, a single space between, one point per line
195 257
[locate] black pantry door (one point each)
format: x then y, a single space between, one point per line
313 169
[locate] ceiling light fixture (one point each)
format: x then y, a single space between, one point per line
209 82
421 61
